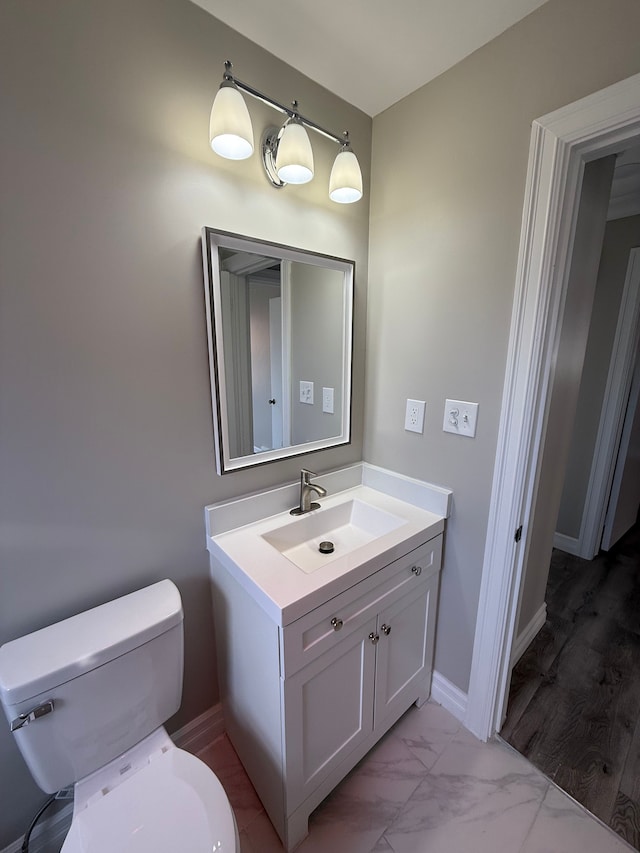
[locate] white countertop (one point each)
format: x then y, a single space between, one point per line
286 592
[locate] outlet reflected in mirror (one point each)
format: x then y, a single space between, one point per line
279 325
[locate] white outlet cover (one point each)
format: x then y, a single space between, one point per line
460 417
306 392
327 400
414 416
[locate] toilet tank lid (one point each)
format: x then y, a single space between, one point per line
58 653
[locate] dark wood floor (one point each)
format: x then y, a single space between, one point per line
574 703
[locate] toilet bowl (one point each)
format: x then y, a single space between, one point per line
86 699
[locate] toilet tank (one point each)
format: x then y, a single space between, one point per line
113 674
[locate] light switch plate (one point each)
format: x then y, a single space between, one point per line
460 417
414 416
306 392
327 400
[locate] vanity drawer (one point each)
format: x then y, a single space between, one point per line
327 625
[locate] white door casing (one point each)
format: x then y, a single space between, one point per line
287 390
275 355
625 490
235 369
561 142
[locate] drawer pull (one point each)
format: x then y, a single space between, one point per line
386 630
336 623
374 638
416 570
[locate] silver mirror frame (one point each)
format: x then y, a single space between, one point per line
212 241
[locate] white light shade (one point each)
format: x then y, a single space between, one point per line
345 183
294 159
230 130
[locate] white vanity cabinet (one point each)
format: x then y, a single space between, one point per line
305 701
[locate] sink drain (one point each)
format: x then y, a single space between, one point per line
325 547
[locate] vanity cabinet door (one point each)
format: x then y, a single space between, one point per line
328 712
404 652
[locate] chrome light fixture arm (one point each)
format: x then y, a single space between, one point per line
291 111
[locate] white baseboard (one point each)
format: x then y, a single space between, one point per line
196 735
200 732
449 696
526 636
567 544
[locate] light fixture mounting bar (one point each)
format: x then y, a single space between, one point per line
288 110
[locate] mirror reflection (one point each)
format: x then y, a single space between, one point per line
279 323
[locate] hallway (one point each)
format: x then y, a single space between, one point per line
574 703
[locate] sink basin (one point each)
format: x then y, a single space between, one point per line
347 525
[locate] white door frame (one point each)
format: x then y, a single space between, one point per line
275 372
287 395
561 143
614 403
611 529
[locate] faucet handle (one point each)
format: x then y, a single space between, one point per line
305 476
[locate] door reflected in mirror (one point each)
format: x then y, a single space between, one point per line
280 345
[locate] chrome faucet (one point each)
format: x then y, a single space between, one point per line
306 490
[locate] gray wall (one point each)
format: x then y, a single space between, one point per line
621 235
449 168
106 448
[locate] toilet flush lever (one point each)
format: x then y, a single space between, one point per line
30 716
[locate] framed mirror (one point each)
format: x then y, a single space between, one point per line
280 330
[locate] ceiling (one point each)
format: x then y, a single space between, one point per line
370 52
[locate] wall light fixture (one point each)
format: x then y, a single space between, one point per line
287 155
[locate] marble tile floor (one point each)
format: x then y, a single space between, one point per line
428 787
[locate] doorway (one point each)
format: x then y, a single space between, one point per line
574 699
599 340
590 501
562 144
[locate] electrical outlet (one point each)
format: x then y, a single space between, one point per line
460 417
414 416
306 392
327 400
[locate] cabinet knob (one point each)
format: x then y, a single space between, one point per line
374 638
386 630
416 570
336 623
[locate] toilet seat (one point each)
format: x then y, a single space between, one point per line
174 802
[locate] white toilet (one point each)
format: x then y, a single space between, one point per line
86 699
